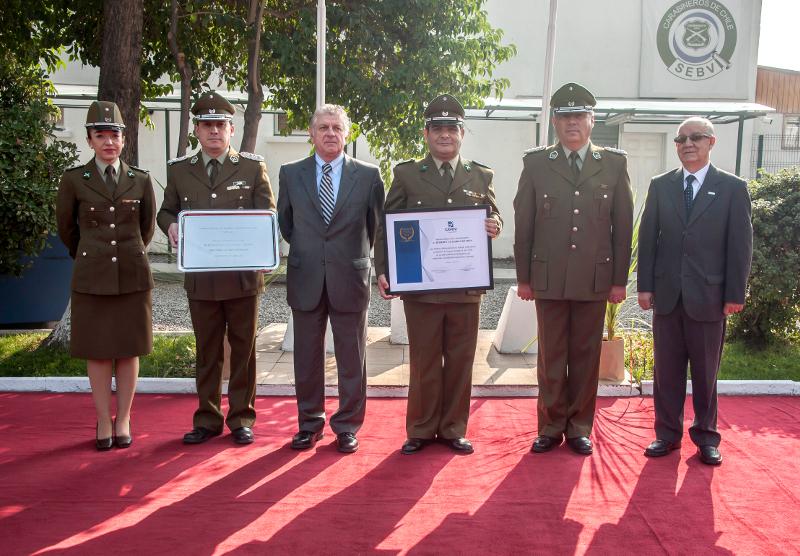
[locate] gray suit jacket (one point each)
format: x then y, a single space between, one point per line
705 261
336 256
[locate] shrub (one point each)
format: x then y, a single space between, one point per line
772 307
31 162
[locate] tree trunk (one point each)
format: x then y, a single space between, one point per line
59 337
255 92
120 66
185 71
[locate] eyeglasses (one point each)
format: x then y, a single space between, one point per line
695 137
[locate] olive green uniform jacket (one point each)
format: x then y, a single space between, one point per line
107 233
573 240
242 183
418 185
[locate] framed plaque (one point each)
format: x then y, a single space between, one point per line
216 240
438 250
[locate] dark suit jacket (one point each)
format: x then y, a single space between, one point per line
338 255
107 233
242 184
706 260
572 239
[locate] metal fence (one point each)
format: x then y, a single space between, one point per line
769 155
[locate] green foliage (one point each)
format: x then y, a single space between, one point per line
20 355
612 309
639 353
771 312
31 162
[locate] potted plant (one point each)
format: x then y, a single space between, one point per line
31 163
612 352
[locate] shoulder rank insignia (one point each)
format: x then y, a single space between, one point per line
617 151
476 163
174 160
535 149
596 155
251 156
553 155
138 169
75 168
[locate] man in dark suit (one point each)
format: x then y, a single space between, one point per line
329 206
695 246
572 247
442 327
219 178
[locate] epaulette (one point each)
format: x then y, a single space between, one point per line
251 156
139 169
174 160
75 168
616 151
476 163
410 160
535 149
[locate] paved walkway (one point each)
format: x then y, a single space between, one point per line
493 373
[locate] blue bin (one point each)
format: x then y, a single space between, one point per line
41 294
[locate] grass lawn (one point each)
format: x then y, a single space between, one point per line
173 356
738 361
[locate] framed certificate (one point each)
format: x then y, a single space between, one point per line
216 240
438 250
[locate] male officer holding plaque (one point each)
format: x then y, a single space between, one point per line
217 177
572 245
442 327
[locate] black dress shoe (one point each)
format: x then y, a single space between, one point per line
658 448
709 455
123 441
544 444
198 435
304 440
346 442
460 445
103 444
413 445
580 445
243 435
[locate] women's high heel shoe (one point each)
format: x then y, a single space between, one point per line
103 444
123 441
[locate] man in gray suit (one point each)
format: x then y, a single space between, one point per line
695 246
329 206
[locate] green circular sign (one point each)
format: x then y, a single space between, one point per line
696 39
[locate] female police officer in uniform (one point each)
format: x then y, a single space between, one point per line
106 216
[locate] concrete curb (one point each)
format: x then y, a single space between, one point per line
187 386
743 388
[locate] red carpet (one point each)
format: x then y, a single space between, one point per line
59 496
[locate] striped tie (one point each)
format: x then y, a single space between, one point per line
326 193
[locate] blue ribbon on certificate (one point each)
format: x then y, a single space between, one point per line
407 251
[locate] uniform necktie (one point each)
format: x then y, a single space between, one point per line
688 194
447 177
326 193
573 161
109 179
212 175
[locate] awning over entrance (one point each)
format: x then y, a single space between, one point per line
620 111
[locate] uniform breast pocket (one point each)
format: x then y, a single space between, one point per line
602 204
91 214
239 198
547 206
128 209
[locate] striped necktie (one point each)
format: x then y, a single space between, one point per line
326 193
